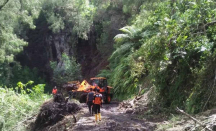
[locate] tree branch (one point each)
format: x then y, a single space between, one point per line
210 23
1 6
194 119
202 27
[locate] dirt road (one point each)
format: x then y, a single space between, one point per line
113 119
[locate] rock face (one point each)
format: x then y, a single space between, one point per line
45 46
61 43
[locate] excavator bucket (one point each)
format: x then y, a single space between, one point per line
83 89
83 86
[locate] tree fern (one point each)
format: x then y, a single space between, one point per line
120 38
123 49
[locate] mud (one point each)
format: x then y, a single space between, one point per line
113 119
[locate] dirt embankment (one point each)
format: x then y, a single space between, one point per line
53 113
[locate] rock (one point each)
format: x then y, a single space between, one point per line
214 127
144 129
129 111
213 112
151 126
188 127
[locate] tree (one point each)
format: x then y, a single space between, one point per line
4 3
16 17
123 64
65 71
75 15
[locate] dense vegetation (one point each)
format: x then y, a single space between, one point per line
66 71
171 48
15 19
20 104
165 45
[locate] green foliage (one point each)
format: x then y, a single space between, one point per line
126 69
14 17
109 16
75 15
16 107
172 45
66 70
12 73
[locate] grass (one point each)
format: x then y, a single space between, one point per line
172 122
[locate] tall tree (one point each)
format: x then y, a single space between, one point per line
16 16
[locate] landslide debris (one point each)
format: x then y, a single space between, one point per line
53 111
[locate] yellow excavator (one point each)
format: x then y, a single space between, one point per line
84 87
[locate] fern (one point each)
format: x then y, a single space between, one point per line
122 50
121 38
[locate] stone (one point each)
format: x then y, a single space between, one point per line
129 111
214 127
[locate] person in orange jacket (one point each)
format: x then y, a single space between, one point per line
98 99
54 91
95 86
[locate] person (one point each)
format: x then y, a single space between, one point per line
54 91
95 86
70 94
89 100
97 104
102 89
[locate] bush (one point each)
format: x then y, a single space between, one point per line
19 104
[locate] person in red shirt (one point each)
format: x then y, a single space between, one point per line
98 99
54 91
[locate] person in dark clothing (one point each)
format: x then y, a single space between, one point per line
89 100
70 93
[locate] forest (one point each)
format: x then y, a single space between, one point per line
167 47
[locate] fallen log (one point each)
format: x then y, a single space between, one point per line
194 119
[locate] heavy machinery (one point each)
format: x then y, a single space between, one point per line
83 89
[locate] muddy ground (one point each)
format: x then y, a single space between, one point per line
113 119
130 115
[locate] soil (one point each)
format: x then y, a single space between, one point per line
117 117
53 111
113 119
